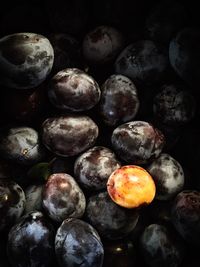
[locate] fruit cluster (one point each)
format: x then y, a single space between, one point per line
99 134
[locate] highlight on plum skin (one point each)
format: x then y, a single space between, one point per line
131 186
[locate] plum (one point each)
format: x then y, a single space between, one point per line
62 197
26 59
186 215
137 142
174 105
12 203
77 243
93 167
21 145
31 242
109 219
131 187
102 45
168 176
69 135
119 101
161 246
184 55
144 62
73 90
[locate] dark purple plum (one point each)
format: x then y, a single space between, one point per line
73 90
144 62
21 145
168 176
173 105
33 194
119 253
69 135
31 242
119 101
165 20
26 59
160 246
67 52
62 197
109 219
186 215
78 244
102 45
137 142
93 168
12 203
184 55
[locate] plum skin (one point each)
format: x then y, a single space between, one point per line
185 215
78 244
31 241
93 167
111 221
62 197
26 59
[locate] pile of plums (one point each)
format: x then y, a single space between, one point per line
99 133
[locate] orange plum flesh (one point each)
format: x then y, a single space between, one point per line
131 187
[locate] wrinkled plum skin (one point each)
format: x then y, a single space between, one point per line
186 215
63 198
31 242
69 135
21 145
12 203
174 105
73 90
78 244
137 142
119 101
93 167
144 62
168 176
161 247
110 220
